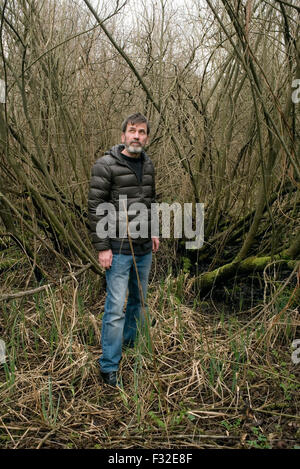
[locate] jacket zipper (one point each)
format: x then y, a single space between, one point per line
132 170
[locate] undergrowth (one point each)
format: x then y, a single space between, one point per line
204 376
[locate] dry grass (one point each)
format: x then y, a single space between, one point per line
208 378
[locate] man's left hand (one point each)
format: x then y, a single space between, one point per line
155 244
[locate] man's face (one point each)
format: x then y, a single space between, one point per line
135 137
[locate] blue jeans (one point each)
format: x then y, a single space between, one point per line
118 327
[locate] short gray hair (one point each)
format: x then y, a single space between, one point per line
136 118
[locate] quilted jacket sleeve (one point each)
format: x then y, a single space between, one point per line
154 212
153 187
100 187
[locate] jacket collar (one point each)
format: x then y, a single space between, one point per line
116 152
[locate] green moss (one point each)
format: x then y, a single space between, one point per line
251 264
9 263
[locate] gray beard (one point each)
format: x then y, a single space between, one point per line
133 149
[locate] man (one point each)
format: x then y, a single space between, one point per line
122 177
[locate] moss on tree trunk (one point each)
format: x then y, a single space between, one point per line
250 265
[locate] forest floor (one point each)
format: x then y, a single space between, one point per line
216 372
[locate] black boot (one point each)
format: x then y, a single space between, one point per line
109 378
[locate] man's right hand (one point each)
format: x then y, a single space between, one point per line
105 258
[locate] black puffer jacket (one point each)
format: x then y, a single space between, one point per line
112 177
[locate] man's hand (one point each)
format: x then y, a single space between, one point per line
105 258
155 244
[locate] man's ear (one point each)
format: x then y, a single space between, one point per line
122 138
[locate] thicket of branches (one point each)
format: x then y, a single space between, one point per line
218 81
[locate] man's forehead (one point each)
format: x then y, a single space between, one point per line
135 125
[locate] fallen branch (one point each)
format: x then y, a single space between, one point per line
252 264
11 296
